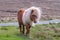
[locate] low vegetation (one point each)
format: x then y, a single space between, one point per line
39 32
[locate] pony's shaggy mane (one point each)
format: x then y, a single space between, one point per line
26 15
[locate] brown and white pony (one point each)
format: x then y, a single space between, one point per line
27 17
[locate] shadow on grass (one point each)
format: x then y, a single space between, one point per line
22 36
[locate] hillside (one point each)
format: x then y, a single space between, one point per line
9 8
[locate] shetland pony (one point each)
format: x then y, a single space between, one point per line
27 17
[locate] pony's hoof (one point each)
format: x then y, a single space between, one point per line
27 35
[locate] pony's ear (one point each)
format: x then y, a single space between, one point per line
32 11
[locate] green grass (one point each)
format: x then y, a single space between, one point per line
39 32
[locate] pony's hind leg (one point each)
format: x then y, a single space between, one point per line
20 27
23 29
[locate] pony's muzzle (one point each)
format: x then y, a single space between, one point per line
35 21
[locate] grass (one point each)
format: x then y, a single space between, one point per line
39 32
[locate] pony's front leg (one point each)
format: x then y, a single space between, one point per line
28 30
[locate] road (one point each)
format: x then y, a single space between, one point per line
41 22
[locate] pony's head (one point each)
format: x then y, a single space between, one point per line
31 15
35 14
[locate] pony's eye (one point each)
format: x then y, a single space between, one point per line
34 16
